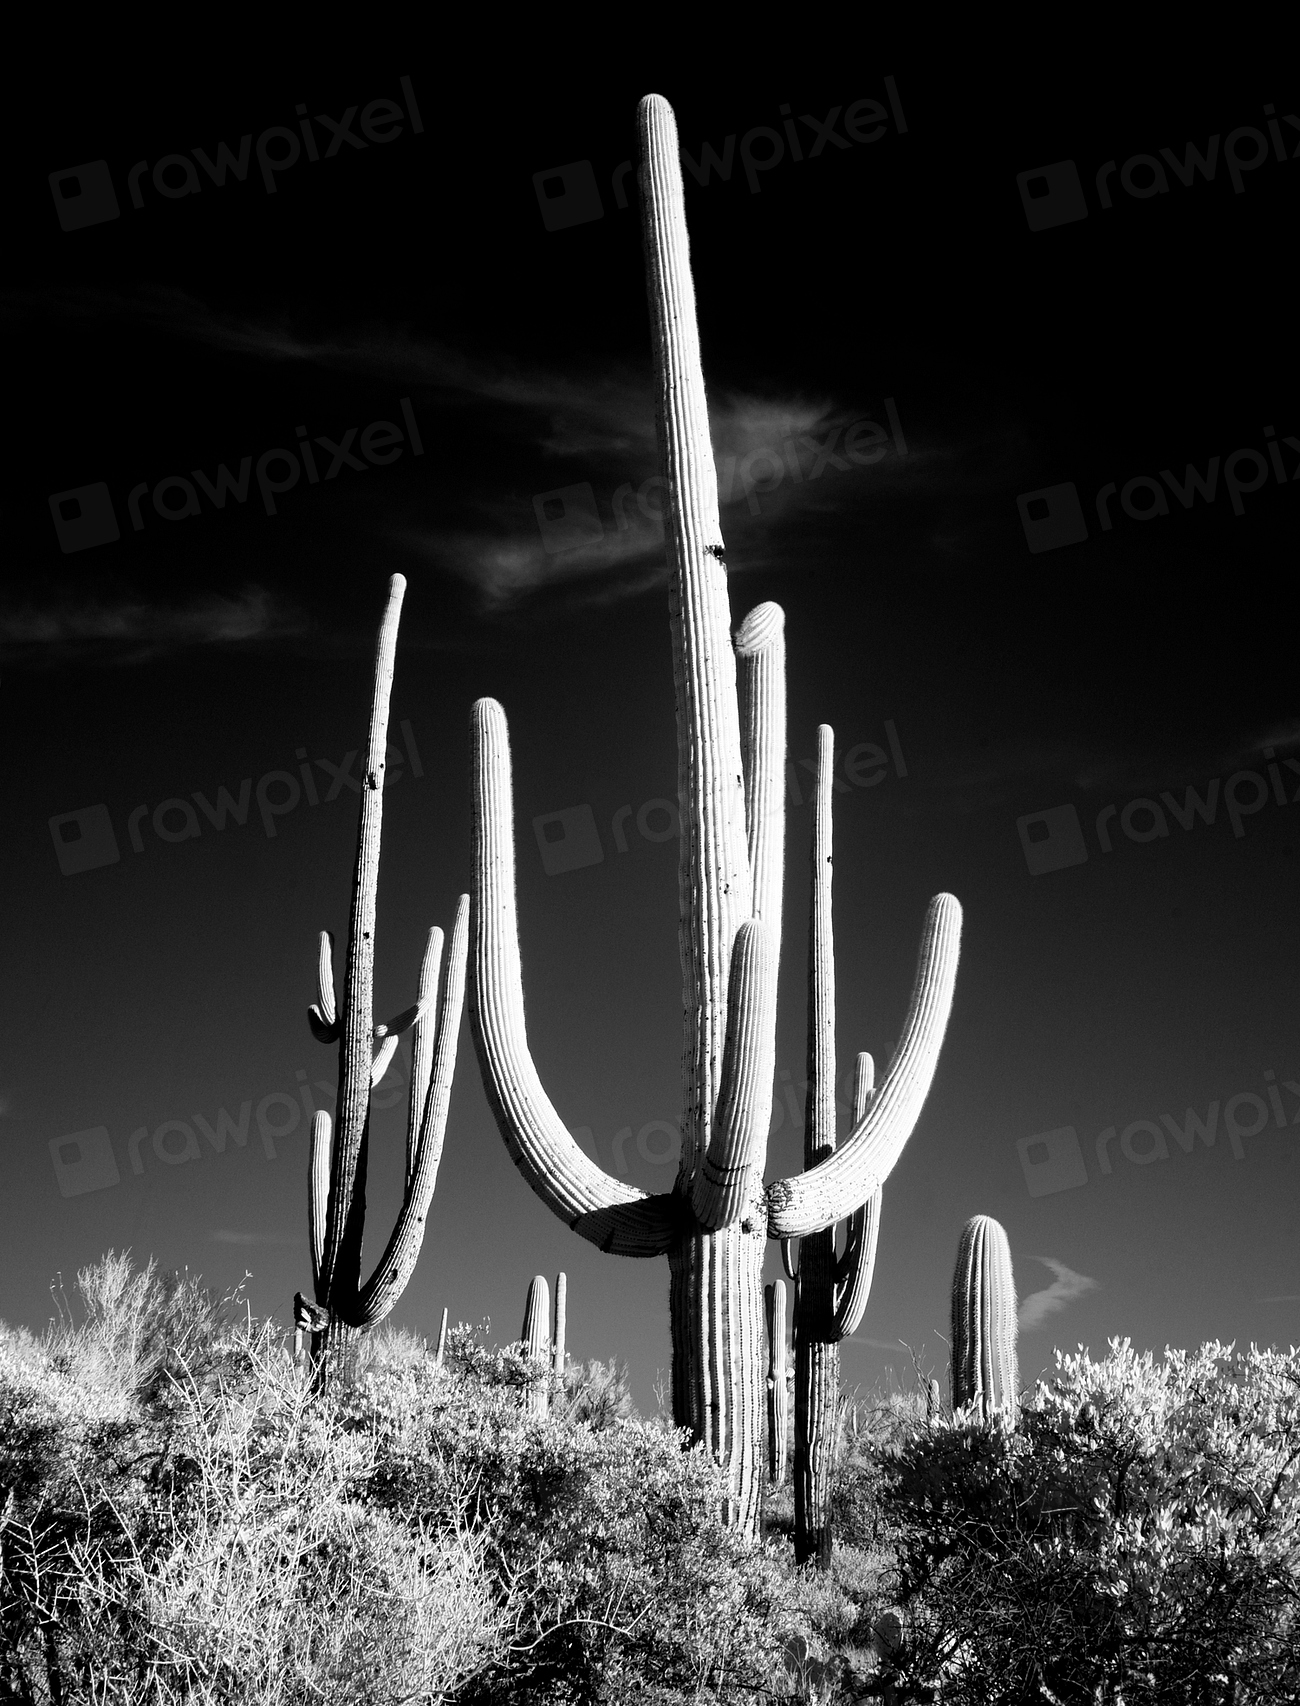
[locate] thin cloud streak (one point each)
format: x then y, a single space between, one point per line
1063 1290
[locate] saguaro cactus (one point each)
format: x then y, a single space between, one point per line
831 1292
984 1369
344 1306
730 777
778 1390
561 1322
537 1338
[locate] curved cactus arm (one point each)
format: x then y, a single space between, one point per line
402 1023
321 1015
733 1167
383 1060
422 1046
382 1290
855 1268
760 686
832 1190
347 1207
615 1216
318 1192
788 1261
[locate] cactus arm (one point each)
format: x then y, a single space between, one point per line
402 1023
787 1260
733 1168
383 1060
442 1338
819 1123
561 1322
778 1396
321 1015
855 1268
715 891
615 1216
422 1047
831 1191
318 1190
760 659
390 1277
537 1340
346 1218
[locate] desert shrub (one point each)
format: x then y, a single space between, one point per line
1135 1536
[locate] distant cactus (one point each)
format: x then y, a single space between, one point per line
933 1401
442 1338
778 1389
561 1321
537 1339
343 1306
984 1370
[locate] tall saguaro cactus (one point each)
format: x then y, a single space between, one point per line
344 1306
730 704
984 1367
778 1391
830 1292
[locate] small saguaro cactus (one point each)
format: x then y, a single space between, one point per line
778 1391
344 1307
831 1291
561 1322
537 1339
933 1401
730 712
984 1369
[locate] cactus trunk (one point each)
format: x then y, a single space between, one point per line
778 1390
537 1341
561 1322
984 1368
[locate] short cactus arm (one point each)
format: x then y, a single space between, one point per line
390 1277
856 1267
760 687
318 1195
614 1216
831 1191
732 1173
321 1015
422 1046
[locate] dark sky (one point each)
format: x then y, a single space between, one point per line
941 262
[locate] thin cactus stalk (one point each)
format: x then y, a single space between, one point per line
778 1389
442 1338
984 1367
537 1341
832 1291
730 706
561 1322
345 1307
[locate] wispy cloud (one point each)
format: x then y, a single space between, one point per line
224 1236
1067 1285
128 630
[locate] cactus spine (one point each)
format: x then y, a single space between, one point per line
730 703
344 1306
778 1389
537 1341
984 1369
